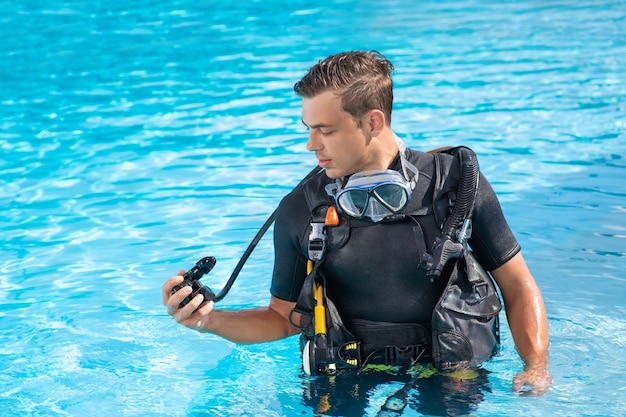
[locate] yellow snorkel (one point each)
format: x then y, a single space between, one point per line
319 310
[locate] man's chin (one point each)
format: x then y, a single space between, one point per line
333 173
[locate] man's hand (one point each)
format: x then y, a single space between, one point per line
187 315
245 326
533 381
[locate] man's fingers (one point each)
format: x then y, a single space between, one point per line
176 298
168 286
189 309
529 383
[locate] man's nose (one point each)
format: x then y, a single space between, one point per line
313 144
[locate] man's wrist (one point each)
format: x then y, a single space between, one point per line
539 362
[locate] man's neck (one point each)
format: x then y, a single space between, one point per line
386 149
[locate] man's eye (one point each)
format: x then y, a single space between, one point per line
326 132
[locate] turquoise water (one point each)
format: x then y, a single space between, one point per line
137 137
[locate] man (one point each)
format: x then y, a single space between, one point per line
374 276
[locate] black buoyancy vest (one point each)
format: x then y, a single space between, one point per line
464 329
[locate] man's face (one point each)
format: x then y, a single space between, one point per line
339 144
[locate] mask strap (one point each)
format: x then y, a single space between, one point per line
332 188
406 165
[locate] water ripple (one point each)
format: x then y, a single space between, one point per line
137 137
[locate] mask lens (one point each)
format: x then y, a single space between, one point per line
353 202
393 196
374 194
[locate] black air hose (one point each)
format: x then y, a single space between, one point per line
466 193
450 243
255 241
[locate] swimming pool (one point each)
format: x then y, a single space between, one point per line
137 138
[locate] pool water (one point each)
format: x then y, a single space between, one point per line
137 137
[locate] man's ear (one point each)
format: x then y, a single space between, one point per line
375 120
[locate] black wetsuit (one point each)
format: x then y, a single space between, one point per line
375 275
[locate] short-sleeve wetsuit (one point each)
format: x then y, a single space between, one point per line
375 275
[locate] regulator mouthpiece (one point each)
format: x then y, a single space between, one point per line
192 278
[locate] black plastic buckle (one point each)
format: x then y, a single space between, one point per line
403 355
317 242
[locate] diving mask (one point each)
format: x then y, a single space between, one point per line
374 194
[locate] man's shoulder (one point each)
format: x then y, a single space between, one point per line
440 164
434 165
